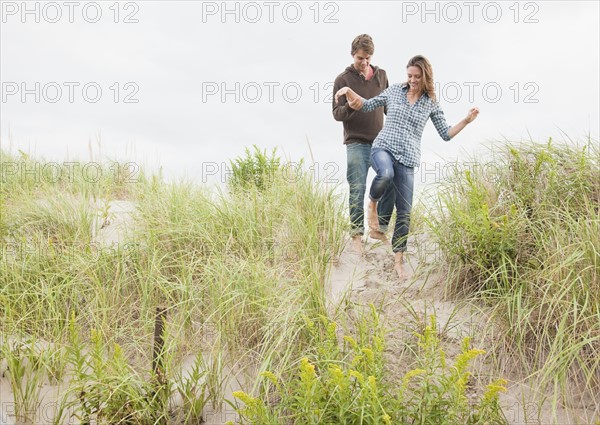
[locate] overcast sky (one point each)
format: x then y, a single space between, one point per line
189 84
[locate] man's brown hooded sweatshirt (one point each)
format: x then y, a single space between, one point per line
359 127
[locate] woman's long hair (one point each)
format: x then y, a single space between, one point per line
423 64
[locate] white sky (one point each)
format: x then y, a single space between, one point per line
180 55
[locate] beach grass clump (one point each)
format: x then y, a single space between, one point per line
25 371
235 271
23 175
523 233
256 169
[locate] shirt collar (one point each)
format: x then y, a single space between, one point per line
404 89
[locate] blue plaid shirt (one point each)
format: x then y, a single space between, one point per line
404 123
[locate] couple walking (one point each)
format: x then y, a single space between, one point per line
362 95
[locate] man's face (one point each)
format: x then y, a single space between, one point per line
361 60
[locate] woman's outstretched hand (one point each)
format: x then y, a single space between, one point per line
473 112
458 127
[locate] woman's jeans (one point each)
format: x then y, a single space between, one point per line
390 172
359 161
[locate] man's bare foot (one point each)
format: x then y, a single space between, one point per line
372 218
357 245
399 266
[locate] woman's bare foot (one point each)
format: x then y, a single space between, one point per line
372 218
399 265
376 234
357 245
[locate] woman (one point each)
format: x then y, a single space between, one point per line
397 148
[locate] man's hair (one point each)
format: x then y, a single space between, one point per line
364 42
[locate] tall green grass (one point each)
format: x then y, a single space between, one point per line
523 234
240 273
236 270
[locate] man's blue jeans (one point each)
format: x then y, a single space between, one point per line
359 161
391 173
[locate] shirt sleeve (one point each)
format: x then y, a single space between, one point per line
439 121
387 85
377 101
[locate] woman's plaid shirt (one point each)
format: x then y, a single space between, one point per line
404 123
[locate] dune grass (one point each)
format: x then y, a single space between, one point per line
240 275
523 234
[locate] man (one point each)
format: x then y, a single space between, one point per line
360 129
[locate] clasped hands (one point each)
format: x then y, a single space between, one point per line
354 100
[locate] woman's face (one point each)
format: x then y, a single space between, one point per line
415 78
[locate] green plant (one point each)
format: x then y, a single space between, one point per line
192 390
55 363
107 390
256 170
25 374
436 392
347 385
3 221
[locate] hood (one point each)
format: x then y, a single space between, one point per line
354 71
